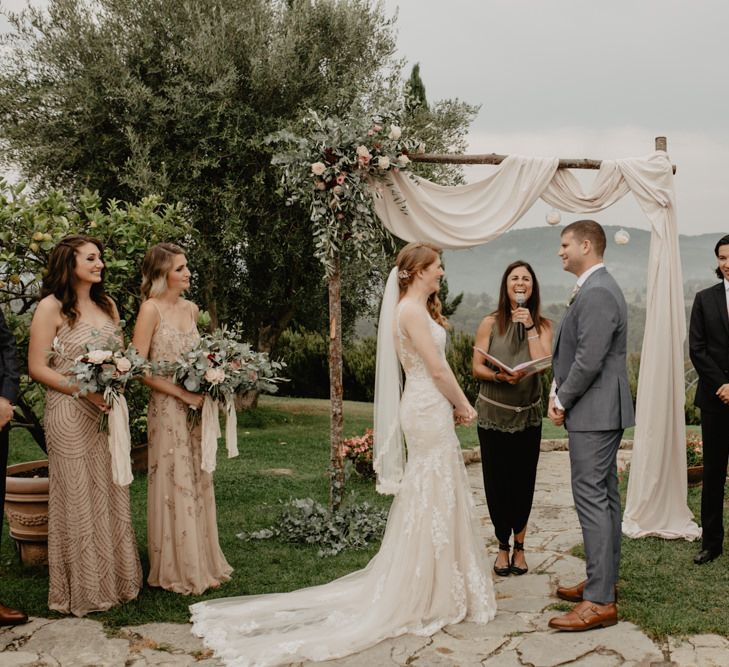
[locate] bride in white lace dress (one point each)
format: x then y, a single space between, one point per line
430 570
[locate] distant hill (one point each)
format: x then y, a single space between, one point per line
478 270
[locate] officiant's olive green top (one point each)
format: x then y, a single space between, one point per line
502 406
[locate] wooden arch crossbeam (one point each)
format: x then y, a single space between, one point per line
494 158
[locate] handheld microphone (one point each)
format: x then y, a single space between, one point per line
520 331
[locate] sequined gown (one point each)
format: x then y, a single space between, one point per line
182 530
93 563
429 572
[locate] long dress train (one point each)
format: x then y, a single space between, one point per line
430 570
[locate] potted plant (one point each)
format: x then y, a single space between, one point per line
694 458
358 451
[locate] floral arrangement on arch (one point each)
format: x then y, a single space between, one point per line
358 451
331 169
694 449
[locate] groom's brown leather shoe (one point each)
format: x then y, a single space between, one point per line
585 616
9 616
571 593
575 593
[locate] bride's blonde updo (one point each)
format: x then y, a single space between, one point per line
416 257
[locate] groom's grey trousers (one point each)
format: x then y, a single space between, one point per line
593 462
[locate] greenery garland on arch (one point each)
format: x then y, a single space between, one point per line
333 169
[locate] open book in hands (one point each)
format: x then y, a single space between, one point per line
527 367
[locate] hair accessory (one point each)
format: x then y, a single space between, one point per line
403 275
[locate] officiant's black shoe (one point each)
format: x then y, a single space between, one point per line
706 556
503 571
514 569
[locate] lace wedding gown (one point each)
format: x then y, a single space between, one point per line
430 570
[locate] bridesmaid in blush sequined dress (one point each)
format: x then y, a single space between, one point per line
93 562
184 554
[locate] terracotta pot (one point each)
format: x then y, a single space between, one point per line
695 475
26 507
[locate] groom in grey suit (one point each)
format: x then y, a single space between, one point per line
591 397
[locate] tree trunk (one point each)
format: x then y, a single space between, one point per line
336 393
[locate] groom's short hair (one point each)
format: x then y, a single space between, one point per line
590 230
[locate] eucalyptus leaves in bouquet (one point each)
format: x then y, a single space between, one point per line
331 168
220 366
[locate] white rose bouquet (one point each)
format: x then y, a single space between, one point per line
220 367
105 368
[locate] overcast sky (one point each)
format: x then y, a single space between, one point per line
573 78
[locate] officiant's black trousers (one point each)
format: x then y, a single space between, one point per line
715 435
509 463
4 443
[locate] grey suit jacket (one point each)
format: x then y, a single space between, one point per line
589 358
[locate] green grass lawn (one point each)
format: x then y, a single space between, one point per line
661 590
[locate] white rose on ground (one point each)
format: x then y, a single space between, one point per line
215 375
395 132
404 160
383 162
123 365
318 168
99 356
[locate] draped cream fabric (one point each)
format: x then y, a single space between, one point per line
463 216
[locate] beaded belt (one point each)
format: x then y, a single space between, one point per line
515 408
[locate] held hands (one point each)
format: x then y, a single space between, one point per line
194 401
555 415
464 416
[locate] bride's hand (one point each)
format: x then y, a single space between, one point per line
465 415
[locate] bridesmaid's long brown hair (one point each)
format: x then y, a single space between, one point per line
60 279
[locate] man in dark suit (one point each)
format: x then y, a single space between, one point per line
9 385
591 397
709 351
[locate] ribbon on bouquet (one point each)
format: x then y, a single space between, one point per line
211 431
120 441
231 428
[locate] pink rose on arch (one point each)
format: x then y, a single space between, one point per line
341 178
363 155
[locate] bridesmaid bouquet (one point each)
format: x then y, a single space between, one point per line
106 368
221 367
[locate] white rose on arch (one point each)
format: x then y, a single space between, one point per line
318 168
383 162
395 132
403 160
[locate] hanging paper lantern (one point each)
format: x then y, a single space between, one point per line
554 217
621 237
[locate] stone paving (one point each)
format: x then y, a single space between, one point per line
517 637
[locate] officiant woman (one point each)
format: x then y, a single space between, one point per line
510 410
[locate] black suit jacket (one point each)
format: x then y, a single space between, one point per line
709 345
9 373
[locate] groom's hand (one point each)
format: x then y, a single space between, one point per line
555 415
